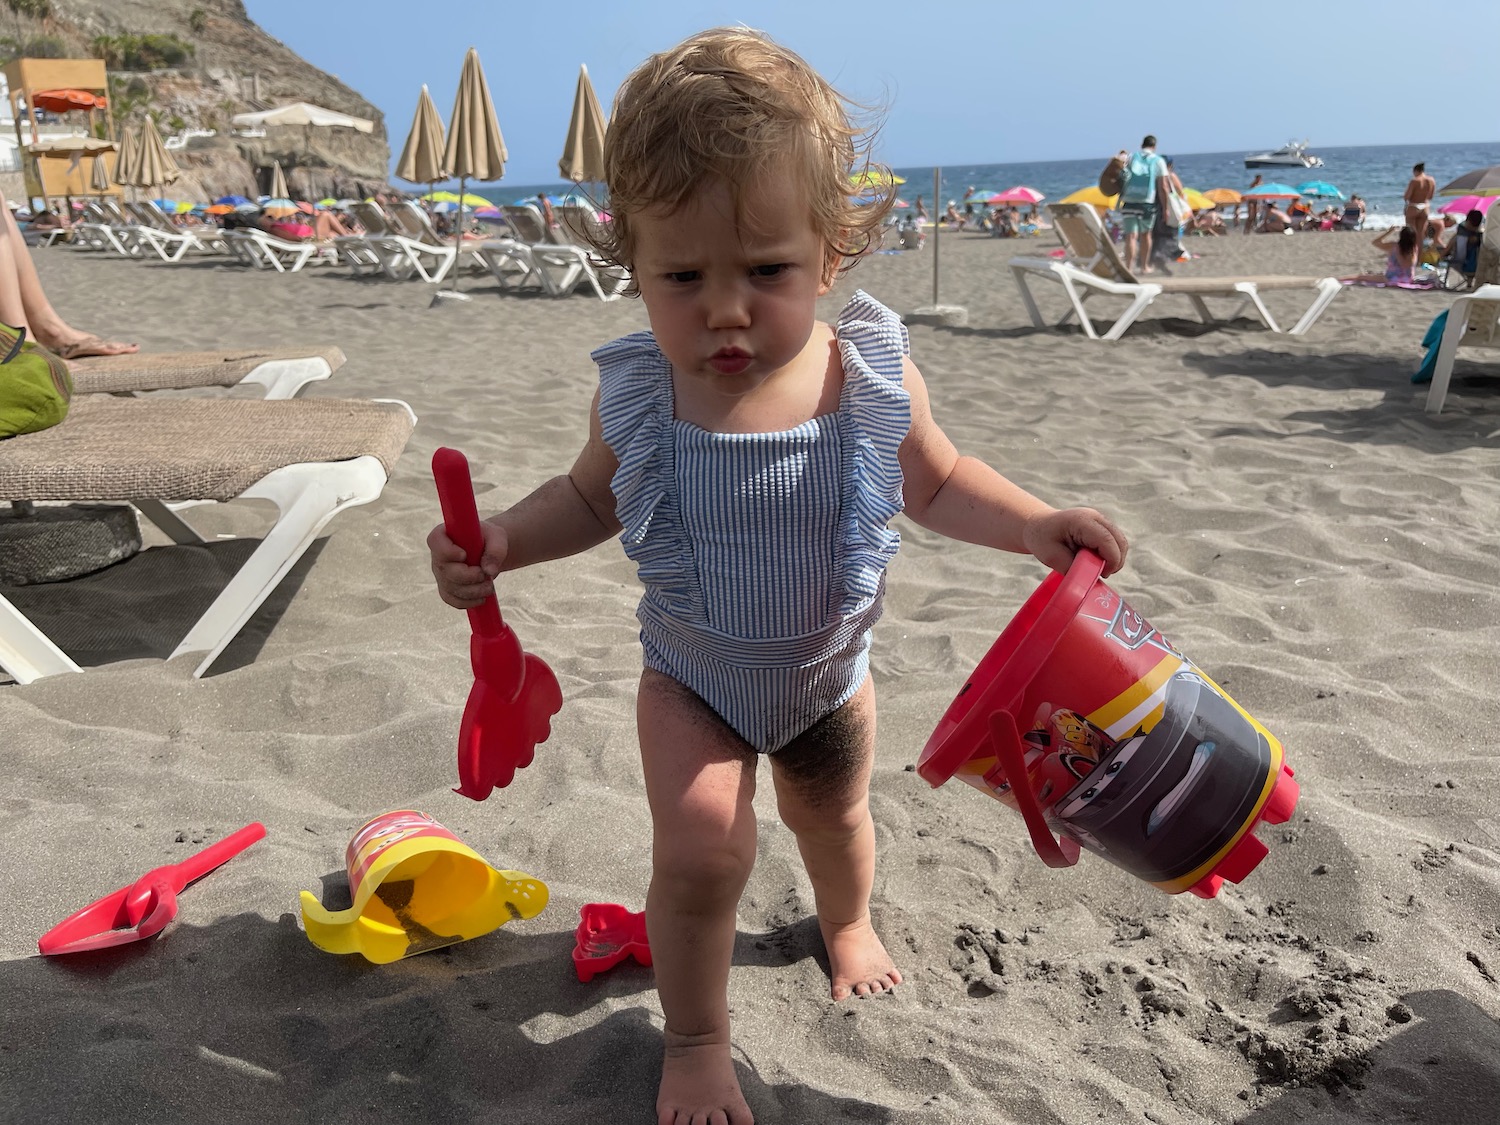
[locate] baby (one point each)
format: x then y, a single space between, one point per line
750 458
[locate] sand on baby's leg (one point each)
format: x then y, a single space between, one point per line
700 782
822 783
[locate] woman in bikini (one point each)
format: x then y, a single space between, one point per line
1400 260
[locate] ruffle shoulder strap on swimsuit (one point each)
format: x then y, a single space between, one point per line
876 415
635 411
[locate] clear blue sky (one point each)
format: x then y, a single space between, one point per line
964 83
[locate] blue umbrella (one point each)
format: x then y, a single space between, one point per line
1273 191
231 200
1320 189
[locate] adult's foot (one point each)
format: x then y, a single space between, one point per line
83 344
698 1084
857 960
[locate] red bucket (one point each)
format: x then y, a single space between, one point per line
1120 744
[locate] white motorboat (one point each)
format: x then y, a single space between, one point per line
1293 154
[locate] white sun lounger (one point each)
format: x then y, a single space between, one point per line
1093 267
312 458
1473 322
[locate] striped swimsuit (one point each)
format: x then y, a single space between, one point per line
763 556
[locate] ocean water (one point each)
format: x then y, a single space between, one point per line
1378 173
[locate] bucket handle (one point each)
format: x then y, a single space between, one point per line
1007 743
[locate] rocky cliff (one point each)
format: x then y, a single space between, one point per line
229 65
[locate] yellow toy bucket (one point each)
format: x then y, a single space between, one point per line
417 887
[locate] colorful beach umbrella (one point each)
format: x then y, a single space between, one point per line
1019 195
1091 194
1319 189
1466 203
278 208
468 199
1222 195
583 150
875 177
1199 201
1482 181
422 156
231 200
1271 191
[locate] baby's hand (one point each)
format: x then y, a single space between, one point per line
459 584
1056 537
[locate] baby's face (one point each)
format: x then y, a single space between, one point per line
732 297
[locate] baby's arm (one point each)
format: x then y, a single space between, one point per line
565 515
964 499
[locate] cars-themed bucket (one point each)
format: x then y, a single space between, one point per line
1091 724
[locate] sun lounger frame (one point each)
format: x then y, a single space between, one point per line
307 495
1093 267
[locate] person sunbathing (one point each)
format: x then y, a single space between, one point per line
24 304
1400 260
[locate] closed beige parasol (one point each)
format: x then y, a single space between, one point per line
422 159
583 154
475 149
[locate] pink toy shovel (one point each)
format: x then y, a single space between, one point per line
515 694
144 908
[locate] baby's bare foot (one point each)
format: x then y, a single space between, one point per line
857 961
698 1083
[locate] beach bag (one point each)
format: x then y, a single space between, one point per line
35 386
1139 180
1112 178
1178 210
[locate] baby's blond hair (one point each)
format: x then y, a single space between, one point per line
728 104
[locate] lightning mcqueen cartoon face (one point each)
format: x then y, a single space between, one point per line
1163 803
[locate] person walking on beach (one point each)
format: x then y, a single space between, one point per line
1419 192
1252 205
750 458
1138 203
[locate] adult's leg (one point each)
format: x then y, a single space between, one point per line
823 794
18 275
700 779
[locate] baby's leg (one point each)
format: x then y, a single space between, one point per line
700 779
823 793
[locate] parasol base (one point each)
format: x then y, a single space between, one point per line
946 316
448 295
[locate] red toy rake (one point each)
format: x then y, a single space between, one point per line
515 694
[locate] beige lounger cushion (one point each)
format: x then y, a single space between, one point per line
1211 285
191 449
123 374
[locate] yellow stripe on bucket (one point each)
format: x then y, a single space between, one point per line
1139 702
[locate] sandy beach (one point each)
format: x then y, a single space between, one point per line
1300 528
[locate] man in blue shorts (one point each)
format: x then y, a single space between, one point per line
1138 204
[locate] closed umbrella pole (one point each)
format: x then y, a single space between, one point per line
99 175
475 149
129 142
422 156
583 151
